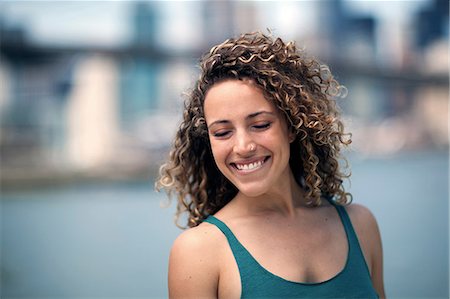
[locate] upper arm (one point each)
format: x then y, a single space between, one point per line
193 268
366 228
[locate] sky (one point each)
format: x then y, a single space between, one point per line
107 23
62 22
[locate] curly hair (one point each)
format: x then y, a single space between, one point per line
301 87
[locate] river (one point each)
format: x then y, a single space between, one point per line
104 240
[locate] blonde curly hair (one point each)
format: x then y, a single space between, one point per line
301 87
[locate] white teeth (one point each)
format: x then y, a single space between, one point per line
249 166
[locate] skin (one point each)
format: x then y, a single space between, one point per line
254 132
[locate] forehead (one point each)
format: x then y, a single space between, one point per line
234 98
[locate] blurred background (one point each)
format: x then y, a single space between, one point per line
91 95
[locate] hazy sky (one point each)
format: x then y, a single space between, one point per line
64 22
107 23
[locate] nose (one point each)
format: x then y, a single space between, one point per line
244 143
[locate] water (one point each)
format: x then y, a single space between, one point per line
113 241
409 197
99 241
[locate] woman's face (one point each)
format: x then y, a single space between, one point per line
249 137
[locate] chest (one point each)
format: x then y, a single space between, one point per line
299 252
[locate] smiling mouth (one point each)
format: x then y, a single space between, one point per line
250 166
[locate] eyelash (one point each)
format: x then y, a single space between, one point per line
262 126
257 127
221 134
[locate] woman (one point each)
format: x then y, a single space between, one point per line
255 166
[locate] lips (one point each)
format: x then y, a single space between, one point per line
248 166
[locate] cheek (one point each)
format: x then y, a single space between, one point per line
278 143
219 153
278 139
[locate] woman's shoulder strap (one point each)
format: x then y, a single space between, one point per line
224 228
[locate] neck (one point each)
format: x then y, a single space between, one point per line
283 199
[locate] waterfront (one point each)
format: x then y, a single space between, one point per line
104 240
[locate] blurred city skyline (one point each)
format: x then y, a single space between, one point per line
86 82
113 26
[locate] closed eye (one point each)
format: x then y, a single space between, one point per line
221 134
262 126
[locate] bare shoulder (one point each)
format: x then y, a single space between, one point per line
193 263
196 238
366 228
361 217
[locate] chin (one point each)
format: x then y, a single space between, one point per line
252 191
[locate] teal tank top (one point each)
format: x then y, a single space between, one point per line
352 282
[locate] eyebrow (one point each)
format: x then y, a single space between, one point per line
250 116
